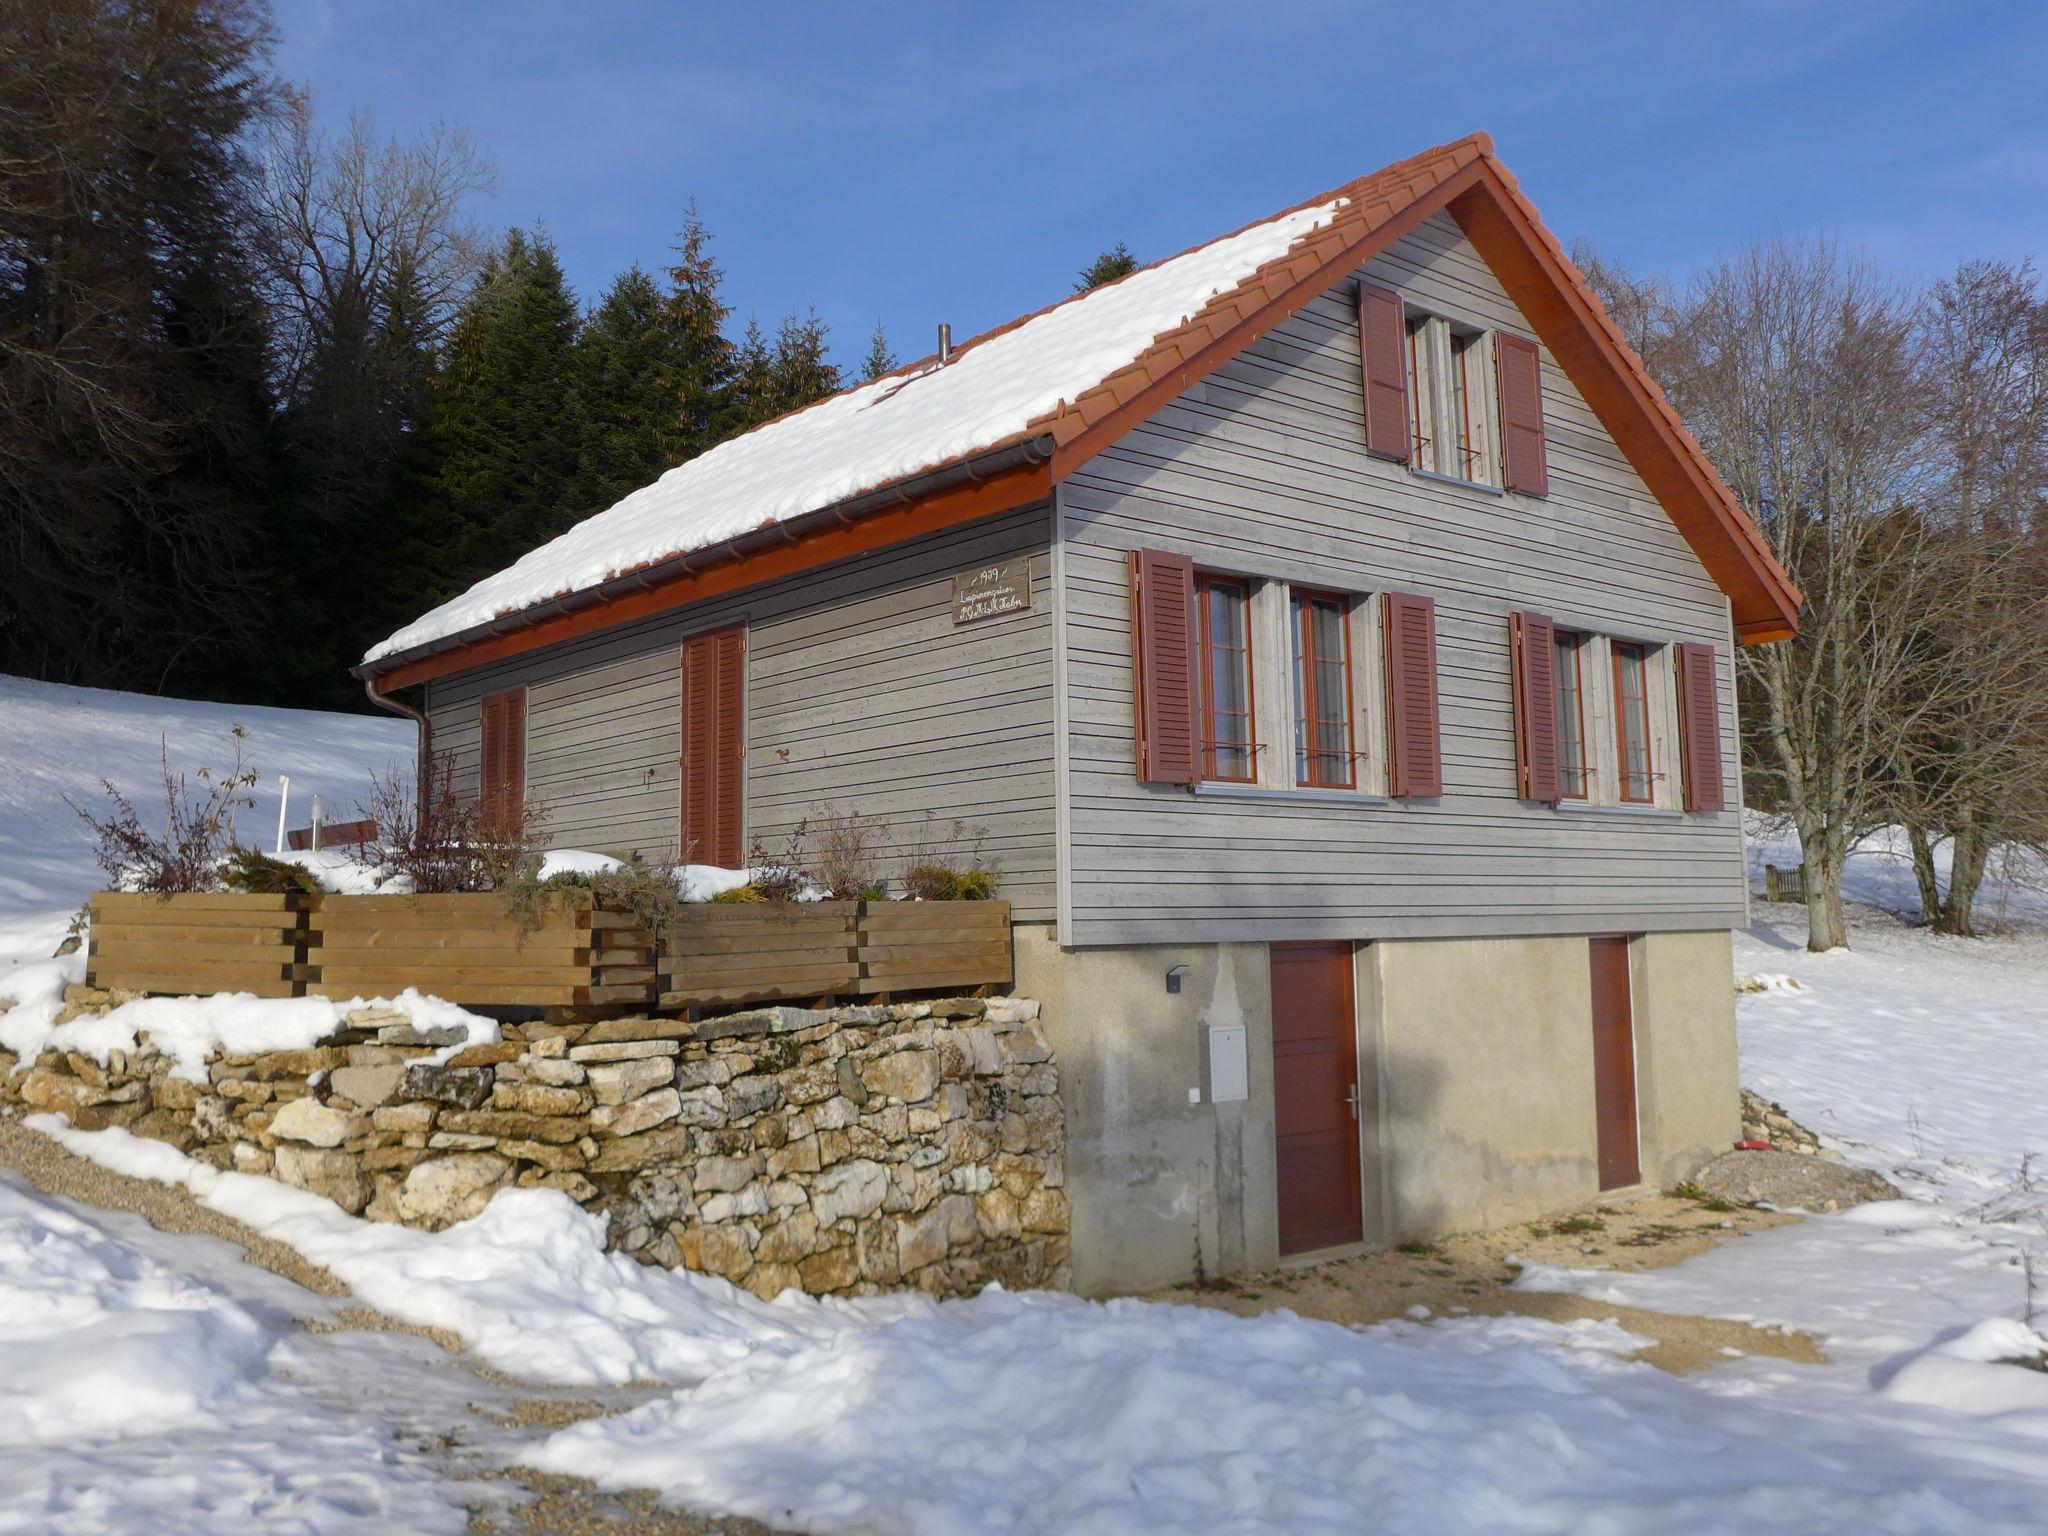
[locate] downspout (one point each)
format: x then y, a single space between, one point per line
426 736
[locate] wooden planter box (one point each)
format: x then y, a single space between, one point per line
910 946
468 949
764 952
199 944
760 952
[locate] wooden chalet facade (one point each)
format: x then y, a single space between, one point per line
1345 687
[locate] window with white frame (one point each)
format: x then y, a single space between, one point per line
1451 399
1617 697
1292 687
1325 727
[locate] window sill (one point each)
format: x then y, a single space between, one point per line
1587 808
1441 479
1304 796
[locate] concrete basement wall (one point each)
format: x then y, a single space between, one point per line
1479 1053
1485 1055
1160 1189
1687 1089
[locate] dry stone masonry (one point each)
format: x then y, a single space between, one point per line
840 1150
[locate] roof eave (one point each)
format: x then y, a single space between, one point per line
975 471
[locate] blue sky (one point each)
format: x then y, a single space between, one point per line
912 163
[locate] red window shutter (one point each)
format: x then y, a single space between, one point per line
728 823
1414 754
1163 665
515 753
502 772
1383 355
1534 646
714 748
491 769
1524 466
1699 728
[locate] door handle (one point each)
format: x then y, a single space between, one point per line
1351 1098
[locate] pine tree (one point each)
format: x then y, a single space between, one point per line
771 379
703 359
879 360
508 437
627 359
802 372
134 401
748 398
1112 264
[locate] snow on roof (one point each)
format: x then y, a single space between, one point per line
877 434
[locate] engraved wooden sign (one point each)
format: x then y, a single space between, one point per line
989 590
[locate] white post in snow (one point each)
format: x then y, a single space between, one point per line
284 795
319 815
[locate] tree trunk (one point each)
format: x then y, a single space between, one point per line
1824 856
1924 874
1965 875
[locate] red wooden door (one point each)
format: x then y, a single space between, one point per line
1614 1064
1315 1096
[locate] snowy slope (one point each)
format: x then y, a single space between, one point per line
876 434
57 742
158 1385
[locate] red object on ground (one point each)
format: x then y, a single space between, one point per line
1752 1146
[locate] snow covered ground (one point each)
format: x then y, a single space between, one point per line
152 1383
57 742
156 1384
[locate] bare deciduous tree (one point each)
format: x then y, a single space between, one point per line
1971 770
1798 374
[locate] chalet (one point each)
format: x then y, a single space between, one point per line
1332 628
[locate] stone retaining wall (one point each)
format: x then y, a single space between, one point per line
842 1150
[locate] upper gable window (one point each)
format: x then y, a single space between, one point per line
1451 400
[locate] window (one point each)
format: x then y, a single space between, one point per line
1229 746
1632 721
1319 625
1450 412
1571 719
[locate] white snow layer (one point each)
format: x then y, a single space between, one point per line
874 435
190 1029
58 743
158 1385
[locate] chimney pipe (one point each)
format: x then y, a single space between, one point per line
945 342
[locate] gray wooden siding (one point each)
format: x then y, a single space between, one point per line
1261 470
861 695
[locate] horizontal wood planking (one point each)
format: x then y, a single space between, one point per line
1262 469
767 951
126 902
200 943
861 695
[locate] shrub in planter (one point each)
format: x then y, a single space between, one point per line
198 829
848 863
738 896
443 841
931 882
948 867
648 891
253 870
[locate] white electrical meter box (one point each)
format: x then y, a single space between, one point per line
1228 1078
